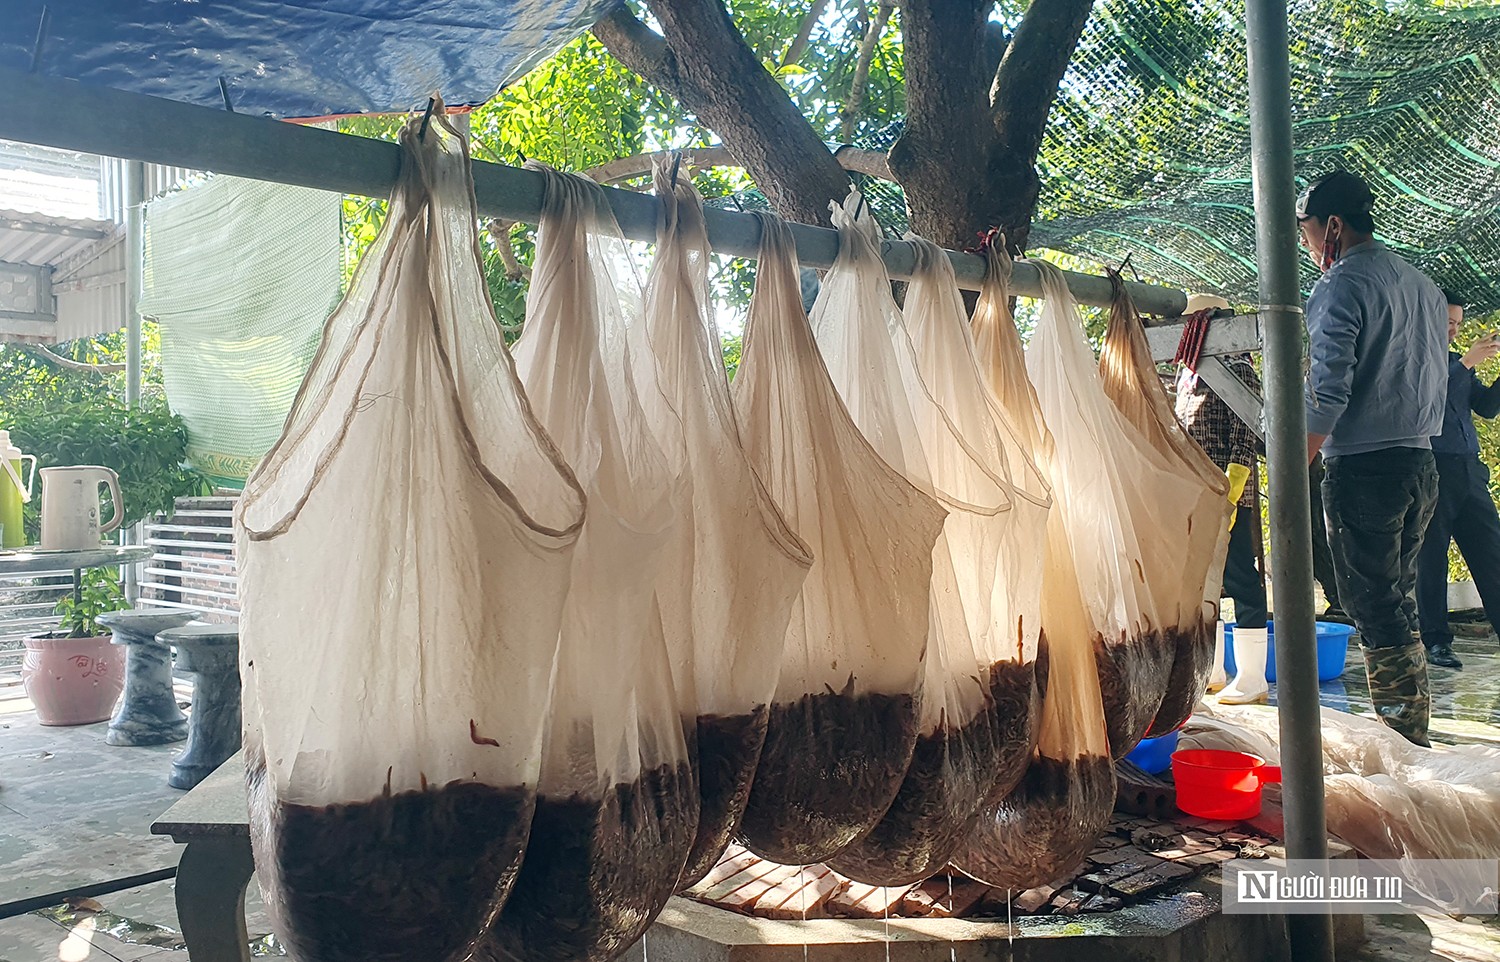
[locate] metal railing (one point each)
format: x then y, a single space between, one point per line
27 607
193 565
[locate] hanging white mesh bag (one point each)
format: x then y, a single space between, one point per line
405 552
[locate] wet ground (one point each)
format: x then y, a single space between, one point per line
74 804
1465 702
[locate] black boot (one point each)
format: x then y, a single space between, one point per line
1398 689
1440 653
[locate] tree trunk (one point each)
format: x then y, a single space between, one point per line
977 108
967 159
1022 95
939 158
705 62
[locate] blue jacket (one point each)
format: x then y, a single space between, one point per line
1467 396
1377 347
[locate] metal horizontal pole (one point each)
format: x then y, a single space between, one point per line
113 123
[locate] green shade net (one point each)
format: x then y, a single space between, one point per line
1148 148
1147 151
240 274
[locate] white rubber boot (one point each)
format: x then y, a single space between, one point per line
1249 685
1217 679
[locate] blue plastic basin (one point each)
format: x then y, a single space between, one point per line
1333 649
1154 755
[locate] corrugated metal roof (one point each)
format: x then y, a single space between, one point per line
90 291
44 241
86 260
55 182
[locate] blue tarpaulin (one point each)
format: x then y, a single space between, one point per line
293 60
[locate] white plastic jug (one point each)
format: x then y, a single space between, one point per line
70 506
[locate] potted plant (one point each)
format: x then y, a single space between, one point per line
74 675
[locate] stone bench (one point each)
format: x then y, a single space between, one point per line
211 653
148 712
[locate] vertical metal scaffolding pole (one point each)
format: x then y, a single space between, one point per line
1286 456
135 235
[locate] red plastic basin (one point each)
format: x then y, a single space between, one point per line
1223 786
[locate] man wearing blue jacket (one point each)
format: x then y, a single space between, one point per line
1465 510
1376 383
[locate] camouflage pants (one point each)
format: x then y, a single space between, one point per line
1378 506
1399 691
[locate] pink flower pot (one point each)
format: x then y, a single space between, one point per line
73 681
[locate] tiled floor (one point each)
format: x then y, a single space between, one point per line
73 804
73 807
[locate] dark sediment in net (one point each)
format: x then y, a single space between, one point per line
1133 673
1044 828
831 766
1191 668
412 875
597 870
1017 693
729 749
954 773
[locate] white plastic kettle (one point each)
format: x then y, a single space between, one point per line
70 506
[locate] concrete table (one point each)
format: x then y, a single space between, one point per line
213 822
148 712
212 654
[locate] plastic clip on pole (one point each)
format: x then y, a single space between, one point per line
426 118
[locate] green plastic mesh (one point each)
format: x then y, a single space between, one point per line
1147 151
241 275
1148 148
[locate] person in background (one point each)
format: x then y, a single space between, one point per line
1465 510
1231 444
1322 555
1376 385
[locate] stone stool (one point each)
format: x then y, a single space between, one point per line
148 712
212 654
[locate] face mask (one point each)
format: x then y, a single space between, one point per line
1330 247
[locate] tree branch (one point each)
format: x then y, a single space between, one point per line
704 61
640 48
856 98
798 45
499 231
871 162
638 165
1025 83
67 363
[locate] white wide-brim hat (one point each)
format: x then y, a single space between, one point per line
1204 302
